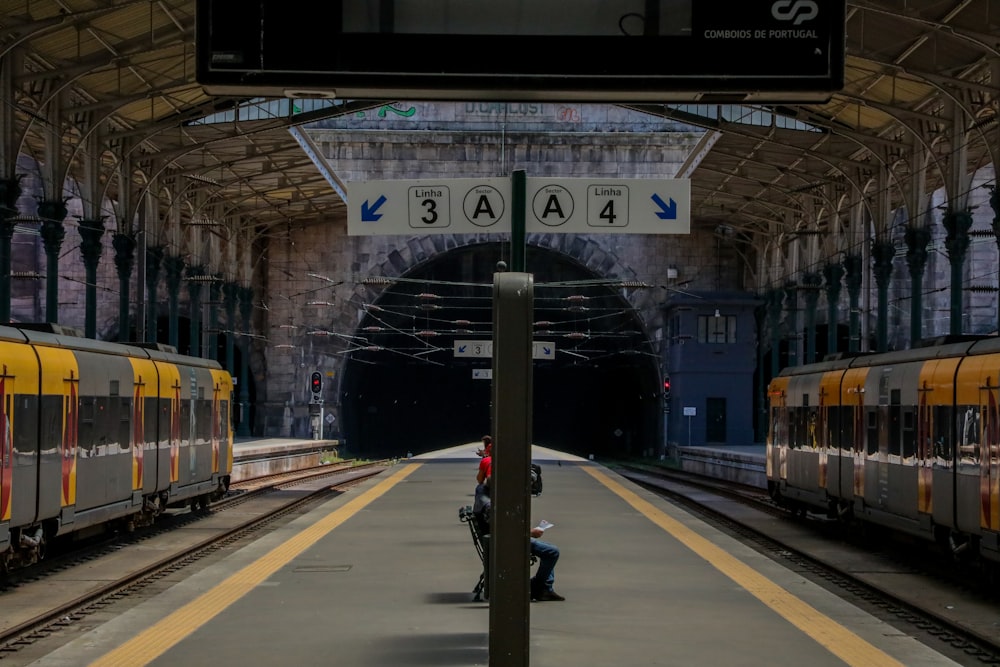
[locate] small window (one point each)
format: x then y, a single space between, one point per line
717 329
113 389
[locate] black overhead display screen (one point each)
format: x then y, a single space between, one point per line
559 50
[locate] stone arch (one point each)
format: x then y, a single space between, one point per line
630 383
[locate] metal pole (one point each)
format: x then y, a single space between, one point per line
518 213
513 302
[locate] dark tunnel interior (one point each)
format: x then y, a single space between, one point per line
405 391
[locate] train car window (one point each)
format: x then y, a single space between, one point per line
942 438
105 422
26 414
149 421
88 414
125 423
203 421
845 427
871 426
968 425
163 422
5 446
201 393
113 388
895 423
909 432
186 422
802 428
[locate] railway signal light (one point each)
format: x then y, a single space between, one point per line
316 383
666 388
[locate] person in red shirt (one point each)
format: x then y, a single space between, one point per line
486 462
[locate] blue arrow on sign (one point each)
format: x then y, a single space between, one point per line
370 213
667 211
547 351
461 349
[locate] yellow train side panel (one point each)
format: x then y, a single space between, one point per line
777 438
144 386
829 396
852 393
18 375
222 433
170 387
61 377
978 381
937 386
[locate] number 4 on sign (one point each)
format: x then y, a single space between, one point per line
607 206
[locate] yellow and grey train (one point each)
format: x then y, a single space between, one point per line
95 433
908 440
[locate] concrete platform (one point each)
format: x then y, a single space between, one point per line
383 574
257 457
744 464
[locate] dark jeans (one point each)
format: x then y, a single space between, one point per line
547 555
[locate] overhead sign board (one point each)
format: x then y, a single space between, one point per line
564 205
559 50
483 349
454 206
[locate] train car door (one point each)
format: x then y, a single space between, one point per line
19 389
937 382
989 480
777 437
58 410
925 448
852 397
6 453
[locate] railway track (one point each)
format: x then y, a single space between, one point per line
905 584
40 603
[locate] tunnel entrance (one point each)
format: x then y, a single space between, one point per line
404 390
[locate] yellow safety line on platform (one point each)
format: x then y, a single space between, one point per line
833 636
158 639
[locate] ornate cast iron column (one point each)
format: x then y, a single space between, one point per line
154 257
52 212
854 278
195 276
833 274
810 292
174 266
792 308
10 192
91 248
917 239
957 242
230 294
882 254
246 311
774 322
124 246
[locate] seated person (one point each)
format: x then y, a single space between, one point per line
547 554
486 462
487 446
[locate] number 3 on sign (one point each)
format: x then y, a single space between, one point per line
429 206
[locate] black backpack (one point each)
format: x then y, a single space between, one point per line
536 479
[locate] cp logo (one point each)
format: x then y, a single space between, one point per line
796 11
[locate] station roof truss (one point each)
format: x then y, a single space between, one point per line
922 81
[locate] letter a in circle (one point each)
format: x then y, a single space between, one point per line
552 206
483 207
